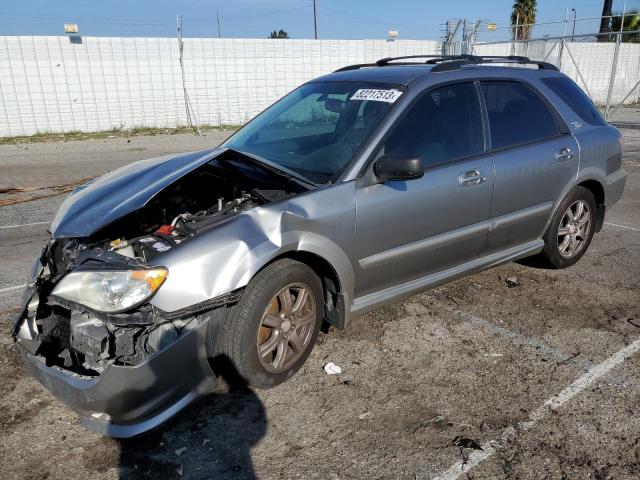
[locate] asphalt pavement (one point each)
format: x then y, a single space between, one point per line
476 378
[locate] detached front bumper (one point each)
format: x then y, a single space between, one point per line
125 401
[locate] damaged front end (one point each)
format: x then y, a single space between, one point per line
75 318
122 372
88 329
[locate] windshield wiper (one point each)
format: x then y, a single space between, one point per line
273 167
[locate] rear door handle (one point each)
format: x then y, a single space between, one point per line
564 153
471 178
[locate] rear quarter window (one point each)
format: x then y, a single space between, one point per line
517 115
573 96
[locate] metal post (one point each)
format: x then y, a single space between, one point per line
218 20
315 21
187 107
573 32
472 36
564 34
614 66
515 36
464 36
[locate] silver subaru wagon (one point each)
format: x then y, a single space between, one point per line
357 189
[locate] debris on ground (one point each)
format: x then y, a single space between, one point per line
332 369
180 451
513 282
464 442
439 421
364 415
179 470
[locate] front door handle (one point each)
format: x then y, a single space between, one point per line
471 178
564 153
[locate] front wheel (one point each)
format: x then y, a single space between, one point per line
271 331
571 229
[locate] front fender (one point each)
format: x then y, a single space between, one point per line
226 257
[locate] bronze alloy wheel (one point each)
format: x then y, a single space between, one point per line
287 327
574 229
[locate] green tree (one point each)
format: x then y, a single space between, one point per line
279 34
631 23
524 14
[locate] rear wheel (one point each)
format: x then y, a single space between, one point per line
270 333
571 229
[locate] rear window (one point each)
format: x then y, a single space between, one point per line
517 115
573 95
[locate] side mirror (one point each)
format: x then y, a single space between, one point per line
390 167
334 105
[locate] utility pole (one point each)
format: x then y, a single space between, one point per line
315 21
469 33
449 37
218 19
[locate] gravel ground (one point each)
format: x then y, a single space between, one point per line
504 369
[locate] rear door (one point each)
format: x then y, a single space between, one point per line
409 229
534 161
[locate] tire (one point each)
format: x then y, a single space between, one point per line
559 250
261 316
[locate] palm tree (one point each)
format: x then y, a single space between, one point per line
631 24
605 21
524 15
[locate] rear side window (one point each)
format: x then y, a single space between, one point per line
573 96
517 115
445 124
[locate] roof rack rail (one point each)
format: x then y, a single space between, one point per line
445 63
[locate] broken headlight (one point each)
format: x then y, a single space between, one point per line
110 291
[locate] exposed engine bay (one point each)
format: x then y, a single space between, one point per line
84 341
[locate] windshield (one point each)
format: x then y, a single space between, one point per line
317 129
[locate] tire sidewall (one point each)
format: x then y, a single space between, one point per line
551 250
251 308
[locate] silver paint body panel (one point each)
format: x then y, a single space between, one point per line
384 241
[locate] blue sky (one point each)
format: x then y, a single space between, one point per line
414 19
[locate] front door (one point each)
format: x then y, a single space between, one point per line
409 229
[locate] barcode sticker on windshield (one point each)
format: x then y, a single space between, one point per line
388 96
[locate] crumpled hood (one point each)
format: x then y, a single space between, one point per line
115 194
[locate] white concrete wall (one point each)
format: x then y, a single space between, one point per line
48 84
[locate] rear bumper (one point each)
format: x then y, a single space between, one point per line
127 401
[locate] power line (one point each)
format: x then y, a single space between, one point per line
154 22
370 20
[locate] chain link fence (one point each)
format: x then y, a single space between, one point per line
609 72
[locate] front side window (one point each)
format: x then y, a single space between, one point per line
517 115
573 95
445 124
317 129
